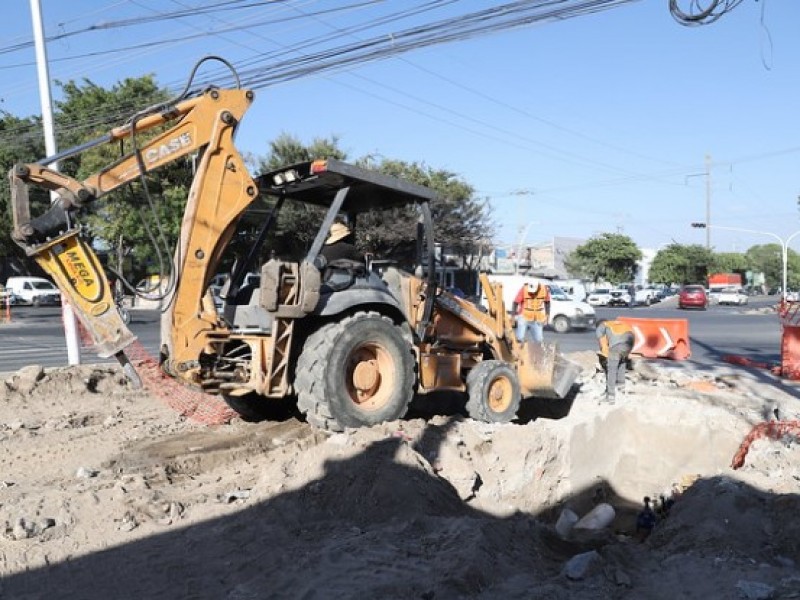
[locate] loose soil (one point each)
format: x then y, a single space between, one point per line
105 492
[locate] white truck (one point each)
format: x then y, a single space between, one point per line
36 291
565 314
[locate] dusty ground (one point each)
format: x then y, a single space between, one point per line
107 493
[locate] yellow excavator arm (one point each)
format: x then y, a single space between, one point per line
221 190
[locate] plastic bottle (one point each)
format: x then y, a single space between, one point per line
566 520
599 517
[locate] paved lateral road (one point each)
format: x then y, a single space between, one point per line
35 335
713 333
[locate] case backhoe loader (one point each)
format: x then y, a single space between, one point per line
352 343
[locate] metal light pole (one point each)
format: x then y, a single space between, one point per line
70 322
522 238
783 242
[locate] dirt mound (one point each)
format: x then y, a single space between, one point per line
102 484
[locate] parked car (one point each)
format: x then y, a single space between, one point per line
620 297
599 297
35 291
693 296
732 296
656 294
565 314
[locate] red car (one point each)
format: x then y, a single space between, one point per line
693 296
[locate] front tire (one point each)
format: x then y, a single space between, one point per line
354 373
494 394
561 324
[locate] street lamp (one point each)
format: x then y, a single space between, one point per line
784 246
523 235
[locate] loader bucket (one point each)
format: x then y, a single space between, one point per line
544 372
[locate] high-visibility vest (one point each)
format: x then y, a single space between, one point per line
614 333
532 305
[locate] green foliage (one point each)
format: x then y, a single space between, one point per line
120 220
678 263
767 258
462 222
609 257
728 262
21 141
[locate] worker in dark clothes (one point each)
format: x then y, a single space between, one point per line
616 342
645 521
339 245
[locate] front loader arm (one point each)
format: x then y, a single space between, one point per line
220 192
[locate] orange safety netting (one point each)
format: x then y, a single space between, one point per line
773 430
749 362
188 402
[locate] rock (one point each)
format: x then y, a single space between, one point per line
754 590
23 530
128 523
620 577
85 473
579 566
236 495
27 377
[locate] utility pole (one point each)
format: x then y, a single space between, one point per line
708 202
70 323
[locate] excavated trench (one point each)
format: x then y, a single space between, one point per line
647 445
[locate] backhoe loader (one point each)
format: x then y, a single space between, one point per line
351 341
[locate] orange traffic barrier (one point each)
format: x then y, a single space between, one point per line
660 338
790 352
789 312
5 309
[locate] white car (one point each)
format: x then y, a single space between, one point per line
35 291
732 296
565 314
620 297
599 297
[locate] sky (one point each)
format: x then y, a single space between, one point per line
619 121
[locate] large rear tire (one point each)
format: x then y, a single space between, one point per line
354 373
494 395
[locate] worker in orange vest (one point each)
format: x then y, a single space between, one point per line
532 307
616 342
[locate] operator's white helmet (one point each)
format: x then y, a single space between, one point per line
338 232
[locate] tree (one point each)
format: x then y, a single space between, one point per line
729 262
610 257
462 222
145 224
678 263
21 141
767 259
